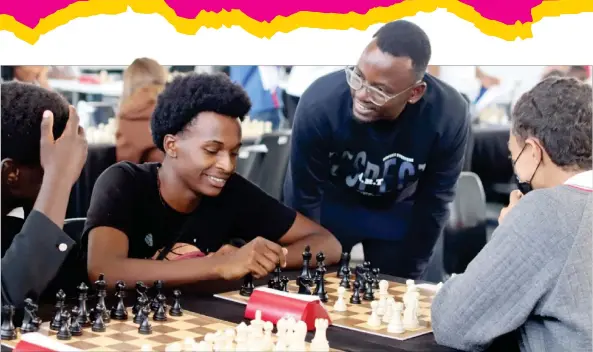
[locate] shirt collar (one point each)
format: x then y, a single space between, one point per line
581 180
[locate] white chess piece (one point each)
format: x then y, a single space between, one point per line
411 310
219 341
297 341
340 305
388 310
268 343
383 296
209 339
374 319
173 347
319 342
290 328
202 346
229 337
188 344
395 324
146 348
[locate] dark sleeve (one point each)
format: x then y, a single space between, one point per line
33 259
112 200
309 159
260 214
437 187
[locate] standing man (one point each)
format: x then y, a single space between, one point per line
377 150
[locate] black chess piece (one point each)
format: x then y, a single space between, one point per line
345 282
320 289
284 283
176 310
157 290
83 316
8 329
307 255
98 324
161 313
355 298
101 287
145 328
360 277
119 312
75 328
140 293
31 321
304 284
247 288
376 272
142 305
344 263
277 284
64 333
368 294
57 319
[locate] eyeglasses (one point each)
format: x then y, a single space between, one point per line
376 96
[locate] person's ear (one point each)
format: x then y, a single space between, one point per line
417 93
10 173
170 145
536 150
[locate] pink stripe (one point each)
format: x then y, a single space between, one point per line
582 188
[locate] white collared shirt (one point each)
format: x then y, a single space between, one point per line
581 180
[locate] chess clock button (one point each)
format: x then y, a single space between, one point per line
62 247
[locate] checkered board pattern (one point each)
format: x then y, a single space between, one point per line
356 316
124 336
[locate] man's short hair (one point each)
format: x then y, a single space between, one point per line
22 107
405 39
558 112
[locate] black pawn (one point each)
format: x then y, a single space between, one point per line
161 313
376 272
75 328
247 288
176 310
98 324
345 282
355 298
320 289
145 328
344 263
8 329
64 333
368 294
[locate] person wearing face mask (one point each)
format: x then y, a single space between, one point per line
533 280
377 149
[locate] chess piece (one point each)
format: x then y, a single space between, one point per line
344 263
376 272
101 287
161 313
157 288
304 284
145 328
355 298
395 324
247 288
83 316
276 280
368 294
411 310
140 295
374 320
387 309
320 289
98 325
345 282
268 342
305 271
31 321
64 333
360 277
8 329
319 342
284 283
119 312
59 308
176 310
340 305
139 316
75 328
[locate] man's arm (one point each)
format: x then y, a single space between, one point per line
309 159
503 284
436 190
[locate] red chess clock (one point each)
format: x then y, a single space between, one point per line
36 342
275 305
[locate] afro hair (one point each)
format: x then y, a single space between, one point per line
187 96
22 107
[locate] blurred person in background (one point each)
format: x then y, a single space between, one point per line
261 84
27 74
144 80
581 73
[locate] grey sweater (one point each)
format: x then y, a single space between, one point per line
533 278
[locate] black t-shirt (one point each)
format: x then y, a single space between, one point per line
126 197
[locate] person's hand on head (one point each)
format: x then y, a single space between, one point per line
258 257
63 157
514 198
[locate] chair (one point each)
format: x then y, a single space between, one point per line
465 232
269 174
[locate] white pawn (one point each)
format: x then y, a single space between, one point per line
146 348
383 295
209 339
173 347
188 344
297 341
319 342
268 342
219 341
411 310
340 305
388 310
374 319
395 324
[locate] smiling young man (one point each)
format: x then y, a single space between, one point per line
377 150
193 203
533 280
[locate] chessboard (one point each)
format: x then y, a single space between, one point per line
356 315
178 333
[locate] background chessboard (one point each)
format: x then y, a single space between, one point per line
356 315
124 336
